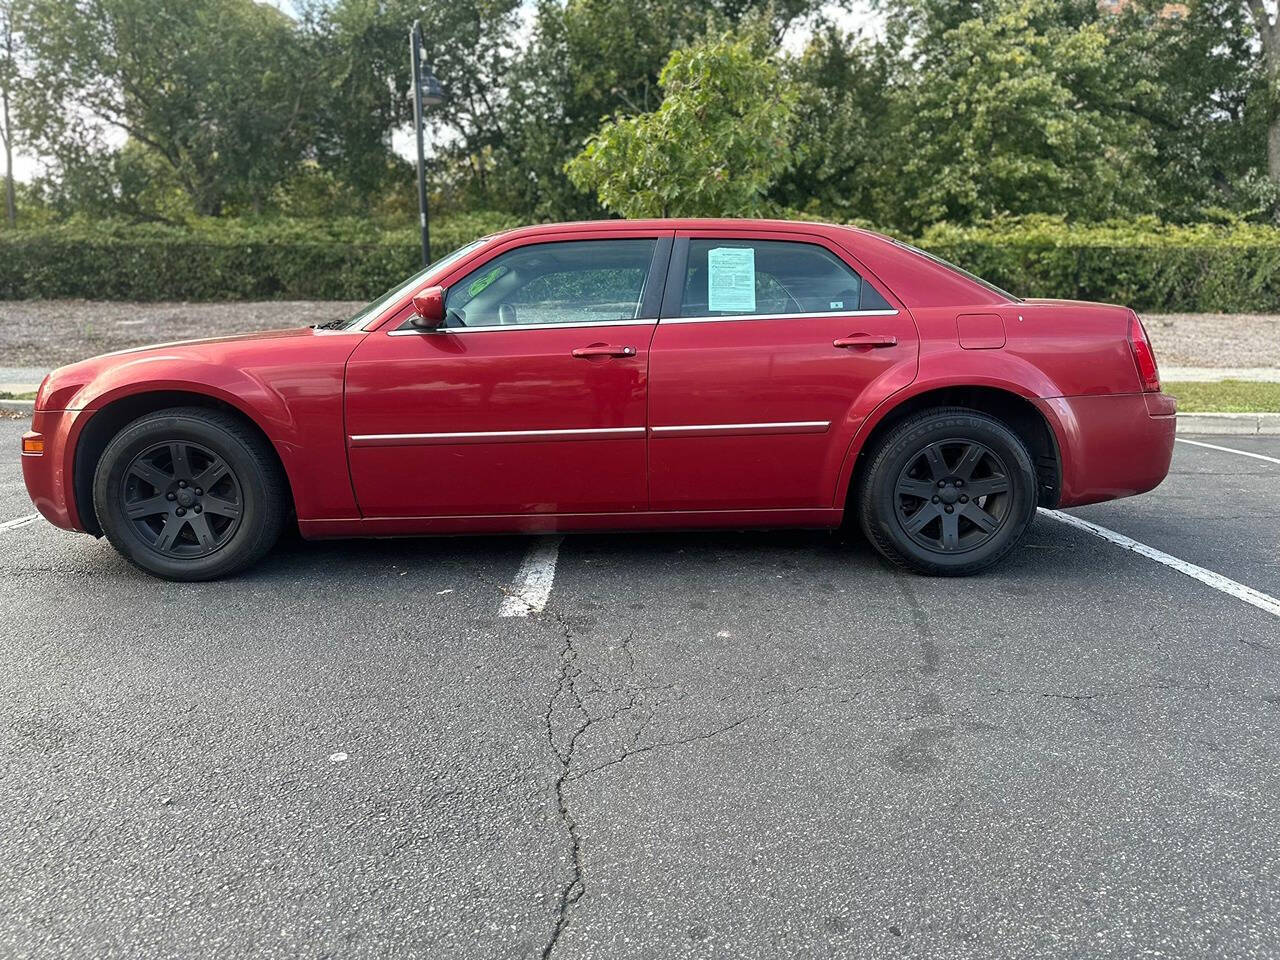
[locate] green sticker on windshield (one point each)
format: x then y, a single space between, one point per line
480 283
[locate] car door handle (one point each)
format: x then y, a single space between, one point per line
603 350
866 340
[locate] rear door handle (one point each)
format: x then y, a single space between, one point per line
866 340
603 350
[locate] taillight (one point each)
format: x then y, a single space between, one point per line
1143 356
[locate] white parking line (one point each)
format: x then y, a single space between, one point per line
532 586
19 522
1243 453
1226 585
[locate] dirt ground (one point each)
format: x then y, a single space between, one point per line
1215 339
48 333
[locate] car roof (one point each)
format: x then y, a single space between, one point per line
683 223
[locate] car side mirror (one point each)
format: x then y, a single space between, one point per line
428 308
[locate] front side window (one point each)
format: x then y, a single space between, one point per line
770 277
581 281
398 292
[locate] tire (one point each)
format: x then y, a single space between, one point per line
914 501
149 493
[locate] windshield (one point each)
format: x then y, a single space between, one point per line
396 292
960 270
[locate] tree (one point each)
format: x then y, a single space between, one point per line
844 144
1196 82
216 89
9 79
595 59
361 53
1005 116
716 144
1268 33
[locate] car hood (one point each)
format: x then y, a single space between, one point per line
60 388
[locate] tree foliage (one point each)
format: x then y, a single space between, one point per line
216 89
1007 116
955 110
719 140
849 106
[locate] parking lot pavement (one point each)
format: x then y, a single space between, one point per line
706 745
1216 509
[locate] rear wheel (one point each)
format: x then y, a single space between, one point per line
189 494
949 491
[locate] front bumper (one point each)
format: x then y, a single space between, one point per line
1111 446
49 476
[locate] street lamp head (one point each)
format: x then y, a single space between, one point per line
432 92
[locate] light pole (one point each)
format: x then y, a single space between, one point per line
426 92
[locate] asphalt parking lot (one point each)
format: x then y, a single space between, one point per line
712 745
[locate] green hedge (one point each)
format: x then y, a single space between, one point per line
1143 264
340 260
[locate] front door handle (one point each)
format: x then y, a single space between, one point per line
866 340
603 350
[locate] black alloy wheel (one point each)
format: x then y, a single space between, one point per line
183 499
190 493
948 491
953 496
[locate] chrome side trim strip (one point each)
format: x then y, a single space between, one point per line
781 316
701 429
509 327
490 436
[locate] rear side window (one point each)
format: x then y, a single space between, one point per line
584 281
770 277
960 270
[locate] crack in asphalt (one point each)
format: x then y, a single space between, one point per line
573 891
568 718
567 703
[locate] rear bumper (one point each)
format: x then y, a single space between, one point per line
49 477
1111 446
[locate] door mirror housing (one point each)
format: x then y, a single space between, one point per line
428 308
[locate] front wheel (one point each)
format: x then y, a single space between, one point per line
189 494
947 492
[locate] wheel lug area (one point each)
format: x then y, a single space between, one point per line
182 484
180 512
959 483
199 492
936 499
949 508
942 484
964 499
197 508
171 496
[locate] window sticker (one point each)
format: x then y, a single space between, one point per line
731 279
837 305
478 284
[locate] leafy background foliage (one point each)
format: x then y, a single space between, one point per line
1144 264
219 148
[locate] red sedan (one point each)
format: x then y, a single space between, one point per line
667 374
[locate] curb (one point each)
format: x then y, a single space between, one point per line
1235 424
23 407
1218 374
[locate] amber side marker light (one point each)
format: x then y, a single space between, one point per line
33 444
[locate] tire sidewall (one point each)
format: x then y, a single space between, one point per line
149 431
879 508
